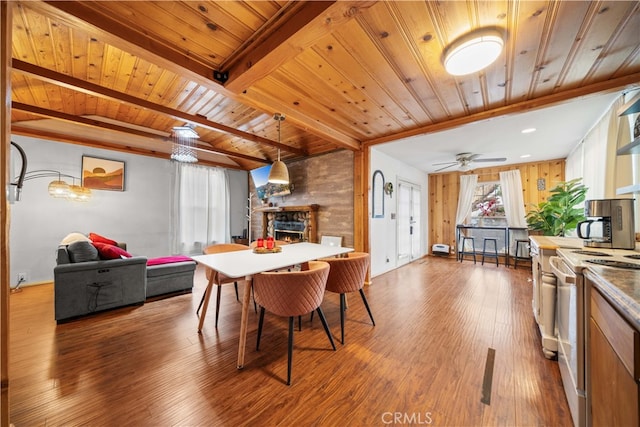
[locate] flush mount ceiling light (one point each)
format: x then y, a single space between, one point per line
279 173
184 143
473 51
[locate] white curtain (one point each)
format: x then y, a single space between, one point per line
465 198
200 208
512 199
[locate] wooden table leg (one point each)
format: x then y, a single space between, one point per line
207 296
244 321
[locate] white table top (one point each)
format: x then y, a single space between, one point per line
247 263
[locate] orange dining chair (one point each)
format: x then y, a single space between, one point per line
292 294
347 274
218 278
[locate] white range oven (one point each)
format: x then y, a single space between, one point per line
572 316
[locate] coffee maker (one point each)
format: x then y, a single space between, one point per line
609 224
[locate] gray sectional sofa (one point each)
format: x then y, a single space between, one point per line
85 284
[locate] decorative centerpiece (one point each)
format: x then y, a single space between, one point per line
266 247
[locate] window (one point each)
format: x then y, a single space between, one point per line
487 209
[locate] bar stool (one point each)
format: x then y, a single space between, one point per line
495 249
524 245
464 252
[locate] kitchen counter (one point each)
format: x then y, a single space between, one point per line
553 242
621 287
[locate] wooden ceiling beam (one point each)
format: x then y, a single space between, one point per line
287 37
55 136
118 128
77 13
103 92
520 107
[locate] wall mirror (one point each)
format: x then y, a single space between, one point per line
377 195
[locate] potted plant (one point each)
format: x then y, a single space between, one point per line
559 213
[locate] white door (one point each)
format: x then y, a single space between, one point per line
408 222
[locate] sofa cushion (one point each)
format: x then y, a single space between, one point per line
82 251
108 251
96 238
74 237
168 260
169 269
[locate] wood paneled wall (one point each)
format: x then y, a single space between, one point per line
444 189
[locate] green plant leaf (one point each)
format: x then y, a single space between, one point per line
560 213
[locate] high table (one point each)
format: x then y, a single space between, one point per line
509 234
244 264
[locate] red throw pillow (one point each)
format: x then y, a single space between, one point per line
107 251
101 239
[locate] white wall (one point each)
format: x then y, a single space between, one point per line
139 216
594 159
383 231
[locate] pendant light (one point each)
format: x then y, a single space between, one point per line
184 143
279 173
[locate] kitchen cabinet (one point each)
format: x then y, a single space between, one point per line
613 365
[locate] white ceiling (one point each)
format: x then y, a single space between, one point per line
558 130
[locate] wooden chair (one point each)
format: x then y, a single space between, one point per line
346 275
292 294
218 278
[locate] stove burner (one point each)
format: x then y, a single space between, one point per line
613 263
632 256
592 253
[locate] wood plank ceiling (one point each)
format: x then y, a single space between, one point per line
347 74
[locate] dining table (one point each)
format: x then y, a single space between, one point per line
245 264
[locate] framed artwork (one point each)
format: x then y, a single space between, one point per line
102 174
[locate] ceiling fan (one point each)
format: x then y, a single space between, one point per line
464 160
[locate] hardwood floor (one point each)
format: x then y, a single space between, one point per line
423 362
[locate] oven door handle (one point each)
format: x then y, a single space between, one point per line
556 269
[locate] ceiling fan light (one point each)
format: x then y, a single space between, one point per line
473 52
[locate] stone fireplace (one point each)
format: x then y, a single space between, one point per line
290 223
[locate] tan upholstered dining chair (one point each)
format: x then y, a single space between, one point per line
347 274
218 278
292 294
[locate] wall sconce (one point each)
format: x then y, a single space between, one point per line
388 189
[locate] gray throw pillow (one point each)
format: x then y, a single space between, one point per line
82 251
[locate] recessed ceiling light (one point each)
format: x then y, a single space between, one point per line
524 156
528 130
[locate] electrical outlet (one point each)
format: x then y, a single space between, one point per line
22 277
